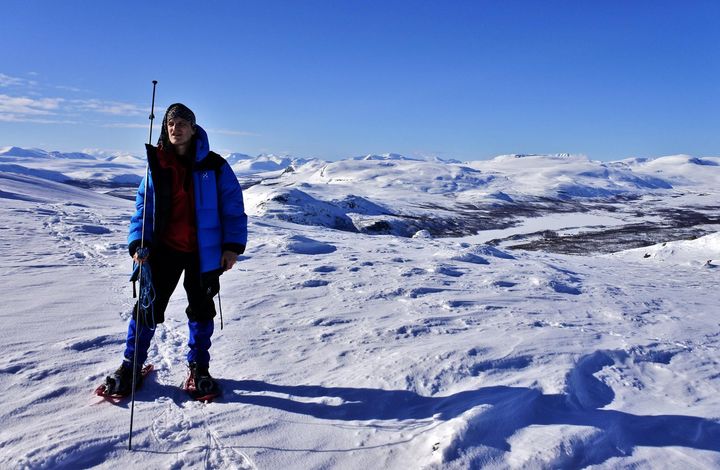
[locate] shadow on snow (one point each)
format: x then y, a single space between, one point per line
509 409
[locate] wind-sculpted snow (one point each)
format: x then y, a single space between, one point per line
347 350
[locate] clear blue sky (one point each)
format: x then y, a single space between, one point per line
337 78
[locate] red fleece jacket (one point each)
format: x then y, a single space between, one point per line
181 231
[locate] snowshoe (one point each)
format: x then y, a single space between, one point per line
200 385
119 384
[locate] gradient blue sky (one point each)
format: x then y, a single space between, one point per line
336 78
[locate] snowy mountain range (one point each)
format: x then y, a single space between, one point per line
401 196
529 311
398 195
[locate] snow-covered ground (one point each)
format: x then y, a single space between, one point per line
343 349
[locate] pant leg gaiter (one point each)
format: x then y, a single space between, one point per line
199 341
146 335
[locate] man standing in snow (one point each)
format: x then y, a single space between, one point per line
195 223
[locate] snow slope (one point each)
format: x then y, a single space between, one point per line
65 167
346 350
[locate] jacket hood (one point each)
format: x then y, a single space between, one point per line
202 145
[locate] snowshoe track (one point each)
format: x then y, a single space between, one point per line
181 422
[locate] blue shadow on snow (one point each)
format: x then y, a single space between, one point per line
510 409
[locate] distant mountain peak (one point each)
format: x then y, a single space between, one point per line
398 156
384 156
40 153
72 155
21 152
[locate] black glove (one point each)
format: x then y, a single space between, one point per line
211 284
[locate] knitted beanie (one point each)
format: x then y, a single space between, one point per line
176 110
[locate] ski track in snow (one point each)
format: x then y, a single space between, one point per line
343 350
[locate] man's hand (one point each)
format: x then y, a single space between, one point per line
229 258
141 255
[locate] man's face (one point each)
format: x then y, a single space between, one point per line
179 131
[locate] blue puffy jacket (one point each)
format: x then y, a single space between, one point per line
219 210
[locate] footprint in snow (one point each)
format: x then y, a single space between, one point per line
451 304
563 288
421 291
315 283
330 321
307 246
92 229
502 364
325 269
506 284
172 425
412 272
451 271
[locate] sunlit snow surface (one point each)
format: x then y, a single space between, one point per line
343 349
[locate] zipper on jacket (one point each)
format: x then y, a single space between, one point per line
200 189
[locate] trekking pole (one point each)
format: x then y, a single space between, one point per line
138 325
220 305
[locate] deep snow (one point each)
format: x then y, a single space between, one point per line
349 350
